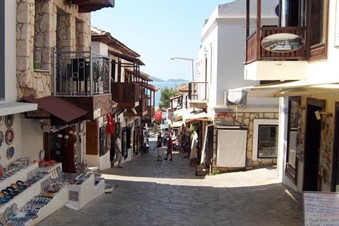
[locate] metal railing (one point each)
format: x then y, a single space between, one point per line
81 73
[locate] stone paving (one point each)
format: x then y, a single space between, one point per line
148 192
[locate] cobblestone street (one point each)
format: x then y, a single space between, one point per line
148 192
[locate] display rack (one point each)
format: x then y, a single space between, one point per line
74 196
80 195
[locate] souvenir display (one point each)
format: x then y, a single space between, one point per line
9 120
1 137
14 166
10 152
2 171
9 136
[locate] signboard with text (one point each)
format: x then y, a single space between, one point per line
321 208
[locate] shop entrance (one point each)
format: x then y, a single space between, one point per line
61 147
335 172
312 146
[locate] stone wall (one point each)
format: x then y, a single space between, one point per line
246 119
40 24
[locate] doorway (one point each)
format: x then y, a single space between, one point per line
312 146
335 173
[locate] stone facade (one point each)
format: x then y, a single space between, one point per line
246 119
43 26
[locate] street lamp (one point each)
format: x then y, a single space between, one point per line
189 59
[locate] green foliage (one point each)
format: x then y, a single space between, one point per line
215 172
165 95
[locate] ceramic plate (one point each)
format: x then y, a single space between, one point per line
9 137
1 137
9 120
10 152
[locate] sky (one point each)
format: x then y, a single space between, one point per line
158 30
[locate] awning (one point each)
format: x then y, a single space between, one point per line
86 6
16 107
187 115
296 88
200 116
179 114
177 124
59 108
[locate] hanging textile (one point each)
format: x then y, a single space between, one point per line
110 124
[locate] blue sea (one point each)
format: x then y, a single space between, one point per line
162 85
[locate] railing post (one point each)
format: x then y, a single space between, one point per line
54 69
91 72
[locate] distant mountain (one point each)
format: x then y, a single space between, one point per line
169 80
157 79
178 80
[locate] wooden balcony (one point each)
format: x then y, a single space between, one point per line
255 51
127 95
96 106
197 93
272 54
140 110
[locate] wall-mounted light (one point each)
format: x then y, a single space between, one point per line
66 137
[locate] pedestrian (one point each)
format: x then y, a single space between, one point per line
158 146
169 146
118 153
186 142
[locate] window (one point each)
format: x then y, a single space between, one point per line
2 50
265 138
267 141
317 27
291 157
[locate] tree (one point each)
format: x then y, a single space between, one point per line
165 96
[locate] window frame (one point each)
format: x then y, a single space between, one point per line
318 51
260 141
255 144
291 170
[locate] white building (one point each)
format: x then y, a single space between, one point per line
10 109
237 115
309 106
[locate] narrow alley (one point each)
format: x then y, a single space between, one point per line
150 192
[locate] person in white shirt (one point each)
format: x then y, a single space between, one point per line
118 153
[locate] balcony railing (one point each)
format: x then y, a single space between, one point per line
197 91
255 52
81 74
125 94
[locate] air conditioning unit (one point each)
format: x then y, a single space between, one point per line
235 98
